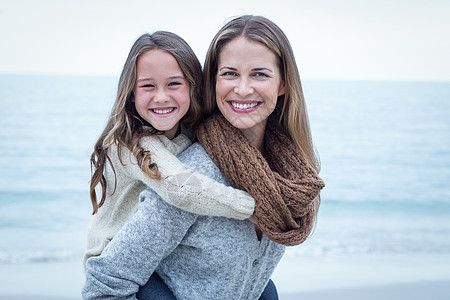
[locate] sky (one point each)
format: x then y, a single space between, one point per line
343 40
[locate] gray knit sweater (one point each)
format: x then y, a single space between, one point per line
198 257
179 186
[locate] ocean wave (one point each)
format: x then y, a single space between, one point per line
324 247
39 256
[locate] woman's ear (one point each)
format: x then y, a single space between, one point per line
281 90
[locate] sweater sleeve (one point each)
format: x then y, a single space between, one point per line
133 255
186 189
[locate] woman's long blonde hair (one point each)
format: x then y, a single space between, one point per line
125 127
291 106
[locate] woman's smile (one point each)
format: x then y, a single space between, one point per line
244 106
248 85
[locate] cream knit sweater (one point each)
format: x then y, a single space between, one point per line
179 186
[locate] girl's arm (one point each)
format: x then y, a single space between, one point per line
188 190
133 255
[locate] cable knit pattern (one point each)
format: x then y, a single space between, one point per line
198 257
284 186
181 187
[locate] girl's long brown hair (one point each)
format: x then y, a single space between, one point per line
125 127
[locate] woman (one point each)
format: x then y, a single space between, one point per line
257 112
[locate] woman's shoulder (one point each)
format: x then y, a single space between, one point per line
197 159
193 154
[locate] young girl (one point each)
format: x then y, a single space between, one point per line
156 109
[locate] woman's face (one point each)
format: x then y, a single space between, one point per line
248 84
161 93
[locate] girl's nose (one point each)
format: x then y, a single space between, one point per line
161 96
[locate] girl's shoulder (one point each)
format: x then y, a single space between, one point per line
156 143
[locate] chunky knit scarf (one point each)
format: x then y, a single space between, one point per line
284 186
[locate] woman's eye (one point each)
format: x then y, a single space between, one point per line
174 83
259 74
229 73
147 86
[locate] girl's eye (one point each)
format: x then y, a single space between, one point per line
174 83
147 86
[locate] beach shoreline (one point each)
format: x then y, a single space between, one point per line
413 277
436 290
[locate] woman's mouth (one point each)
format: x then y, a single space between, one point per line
244 106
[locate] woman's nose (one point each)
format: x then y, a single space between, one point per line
243 87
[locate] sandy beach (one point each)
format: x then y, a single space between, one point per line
347 277
438 290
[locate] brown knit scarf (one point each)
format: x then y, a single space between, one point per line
284 186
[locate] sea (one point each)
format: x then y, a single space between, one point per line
384 148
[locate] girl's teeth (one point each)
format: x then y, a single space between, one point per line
243 106
162 111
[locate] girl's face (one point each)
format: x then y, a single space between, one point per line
248 85
161 93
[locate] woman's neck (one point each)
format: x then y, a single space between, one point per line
255 136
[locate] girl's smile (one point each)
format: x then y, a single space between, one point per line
161 93
163 111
